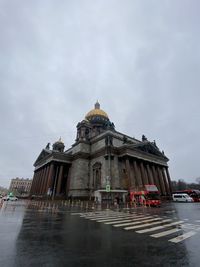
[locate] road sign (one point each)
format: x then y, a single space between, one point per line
107 188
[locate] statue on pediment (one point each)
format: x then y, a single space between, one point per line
109 125
154 142
47 146
144 138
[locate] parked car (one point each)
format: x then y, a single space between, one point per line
6 198
182 198
11 198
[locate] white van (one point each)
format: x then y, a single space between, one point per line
182 198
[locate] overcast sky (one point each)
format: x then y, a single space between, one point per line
140 59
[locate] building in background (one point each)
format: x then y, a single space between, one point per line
20 186
102 162
3 191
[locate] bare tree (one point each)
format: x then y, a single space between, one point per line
198 180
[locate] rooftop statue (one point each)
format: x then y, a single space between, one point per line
110 125
47 146
144 138
154 142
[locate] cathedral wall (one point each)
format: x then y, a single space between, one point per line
121 136
101 143
97 145
79 176
81 147
103 170
121 167
117 142
115 173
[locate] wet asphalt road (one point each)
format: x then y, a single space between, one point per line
34 235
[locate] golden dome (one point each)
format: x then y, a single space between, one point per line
96 112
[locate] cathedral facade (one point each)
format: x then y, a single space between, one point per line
102 162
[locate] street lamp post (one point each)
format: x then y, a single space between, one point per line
107 189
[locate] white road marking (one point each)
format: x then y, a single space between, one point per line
144 225
168 232
139 222
106 217
103 215
92 215
120 218
100 214
191 227
158 227
182 237
84 213
128 220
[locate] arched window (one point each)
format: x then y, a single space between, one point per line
96 175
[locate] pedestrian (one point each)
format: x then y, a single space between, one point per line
117 199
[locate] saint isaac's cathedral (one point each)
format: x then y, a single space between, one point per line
101 161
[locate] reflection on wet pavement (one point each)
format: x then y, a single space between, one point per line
38 233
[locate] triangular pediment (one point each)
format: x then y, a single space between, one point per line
150 148
44 154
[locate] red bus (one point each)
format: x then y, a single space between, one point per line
193 193
149 196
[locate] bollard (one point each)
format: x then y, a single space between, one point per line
53 207
127 207
56 209
49 207
86 206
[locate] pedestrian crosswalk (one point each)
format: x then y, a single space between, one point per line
154 225
159 227
147 224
